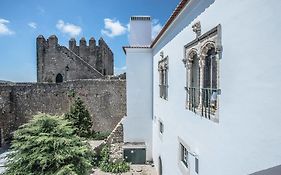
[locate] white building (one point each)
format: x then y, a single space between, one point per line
203 96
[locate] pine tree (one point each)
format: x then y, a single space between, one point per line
80 118
47 146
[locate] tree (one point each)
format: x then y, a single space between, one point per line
47 146
80 118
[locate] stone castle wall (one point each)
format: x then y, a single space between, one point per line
105 99
76 62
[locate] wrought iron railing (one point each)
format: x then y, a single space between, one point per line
208 97
193 98
209 101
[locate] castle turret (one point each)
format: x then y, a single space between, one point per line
41 45
105 58
52 41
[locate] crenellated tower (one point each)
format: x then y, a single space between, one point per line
57 63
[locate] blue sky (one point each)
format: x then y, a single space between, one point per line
21 21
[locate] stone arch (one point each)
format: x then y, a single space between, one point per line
206 47
59 78
209 66
191 54
193 78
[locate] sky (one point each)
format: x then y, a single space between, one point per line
21 21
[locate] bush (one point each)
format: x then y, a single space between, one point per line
47 146
113 167
80 118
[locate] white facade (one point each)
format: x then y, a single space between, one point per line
247 136
138 122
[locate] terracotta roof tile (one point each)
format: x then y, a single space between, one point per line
176 12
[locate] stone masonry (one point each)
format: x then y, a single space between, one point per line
104 98
57 63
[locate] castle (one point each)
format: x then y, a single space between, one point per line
56 63
62 73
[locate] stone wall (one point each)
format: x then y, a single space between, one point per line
78 62
105 99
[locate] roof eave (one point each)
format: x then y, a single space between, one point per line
174 15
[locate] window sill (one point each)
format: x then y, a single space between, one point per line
198 111
183 168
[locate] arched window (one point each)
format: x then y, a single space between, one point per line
210 83
210 70
59 78
202 58
163 77
194 86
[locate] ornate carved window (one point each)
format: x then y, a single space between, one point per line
201 60
163 77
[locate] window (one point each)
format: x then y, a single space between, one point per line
163 77
201 60
161 127
196 165
184 155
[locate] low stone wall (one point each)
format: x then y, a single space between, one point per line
105 99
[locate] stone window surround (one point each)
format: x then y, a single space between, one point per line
200 46
163 76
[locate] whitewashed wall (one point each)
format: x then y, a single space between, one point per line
138 123
248 136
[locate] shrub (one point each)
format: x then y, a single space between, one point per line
113 167
47 146
80 118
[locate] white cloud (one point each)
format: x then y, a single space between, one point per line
32 25
67 28
4 30
113 28
119 70
156 28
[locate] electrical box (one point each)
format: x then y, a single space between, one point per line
135 155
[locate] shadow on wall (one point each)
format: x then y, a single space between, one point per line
195 9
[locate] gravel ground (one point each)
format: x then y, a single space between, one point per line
135 170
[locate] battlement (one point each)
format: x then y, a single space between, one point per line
92 44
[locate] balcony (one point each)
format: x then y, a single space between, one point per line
203 101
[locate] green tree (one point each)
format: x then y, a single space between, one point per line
80 118
47 146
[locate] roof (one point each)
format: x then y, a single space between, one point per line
271 171
174 15
135 47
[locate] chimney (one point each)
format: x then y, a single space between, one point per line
140 31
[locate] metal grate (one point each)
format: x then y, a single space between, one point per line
140 18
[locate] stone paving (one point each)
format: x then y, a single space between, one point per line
134 169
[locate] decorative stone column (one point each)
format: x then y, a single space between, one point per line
201 83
